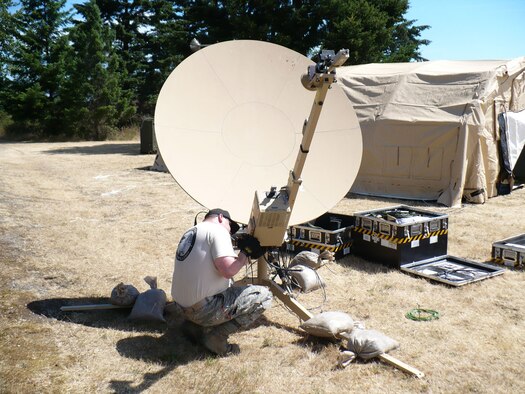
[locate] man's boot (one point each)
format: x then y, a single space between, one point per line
215 338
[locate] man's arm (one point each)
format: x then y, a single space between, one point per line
229 266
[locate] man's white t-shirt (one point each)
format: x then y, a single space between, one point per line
195 276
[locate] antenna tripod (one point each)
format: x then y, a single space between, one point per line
271 211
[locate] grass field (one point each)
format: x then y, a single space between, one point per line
78 218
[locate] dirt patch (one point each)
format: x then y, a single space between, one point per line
78 218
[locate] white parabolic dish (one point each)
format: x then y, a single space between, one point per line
229 121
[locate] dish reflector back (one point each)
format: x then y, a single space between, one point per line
229 121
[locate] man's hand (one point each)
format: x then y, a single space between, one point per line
250 245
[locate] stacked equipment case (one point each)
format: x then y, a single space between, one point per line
399 235
510 252
330 231
411 239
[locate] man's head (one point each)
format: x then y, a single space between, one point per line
221 214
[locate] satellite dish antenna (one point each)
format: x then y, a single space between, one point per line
229 121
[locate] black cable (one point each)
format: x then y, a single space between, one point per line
249 270
195 219
281 268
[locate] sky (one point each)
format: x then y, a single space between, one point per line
470 29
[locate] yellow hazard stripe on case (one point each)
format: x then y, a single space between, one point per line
498 260
330 248
396 240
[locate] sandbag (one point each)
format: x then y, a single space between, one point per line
328 324
311 259
123 294
150 304
367 344
306 278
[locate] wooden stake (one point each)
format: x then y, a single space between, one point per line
387 358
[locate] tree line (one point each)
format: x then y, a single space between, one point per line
88 70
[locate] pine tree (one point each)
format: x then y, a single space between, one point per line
294 24
38 66
127 18
6 49
166 45
373 30
97 103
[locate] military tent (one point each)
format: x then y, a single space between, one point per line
430 129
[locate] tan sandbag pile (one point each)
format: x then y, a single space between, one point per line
150 304
123 295
312 259
357 341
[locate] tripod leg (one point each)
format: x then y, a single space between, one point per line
290 302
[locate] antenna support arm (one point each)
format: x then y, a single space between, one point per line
319 78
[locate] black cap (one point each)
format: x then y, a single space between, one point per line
234 226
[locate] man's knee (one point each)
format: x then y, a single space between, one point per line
254 300
266 297
258 295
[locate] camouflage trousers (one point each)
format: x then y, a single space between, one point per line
241 305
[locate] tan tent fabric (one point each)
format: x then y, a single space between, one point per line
430 129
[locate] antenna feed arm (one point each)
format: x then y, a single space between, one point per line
338 59
324 70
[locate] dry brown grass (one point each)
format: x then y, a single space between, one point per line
77 218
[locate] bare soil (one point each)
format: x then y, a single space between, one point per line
78 218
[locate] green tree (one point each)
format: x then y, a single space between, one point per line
127 18
6 48
7 22
294 24
97 103
37 66
166 44
373 30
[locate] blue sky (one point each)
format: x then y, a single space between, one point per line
471 29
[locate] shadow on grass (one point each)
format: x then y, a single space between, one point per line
317 344
111 318
313 343
360 264
263 321
100 149
170 350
